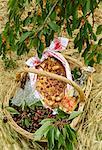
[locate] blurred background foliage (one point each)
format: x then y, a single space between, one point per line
47 19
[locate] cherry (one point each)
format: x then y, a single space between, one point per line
5 119
39 112
50 115
35 118
29 13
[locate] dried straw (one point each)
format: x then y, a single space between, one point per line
90 129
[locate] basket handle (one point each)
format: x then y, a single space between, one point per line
58 77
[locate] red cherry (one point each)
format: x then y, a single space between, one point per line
35 118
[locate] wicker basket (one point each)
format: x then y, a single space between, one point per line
83 95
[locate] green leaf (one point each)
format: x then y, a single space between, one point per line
61 114
69 29
11 38
75 19
35 42
41 131
27 21
71 134
12 110
76 73
76 40
74 114
69 9
23 105
61 140
69 146
39 20
86 50
46 133
86 7
64 131
27 123
53 15
50 137
24 36
99 58
100 42
21 48
45 31
47 120
57 133
37 103
94 37
67 132
31 102
0 41
54 26
80 45
89 27
40 49
99 30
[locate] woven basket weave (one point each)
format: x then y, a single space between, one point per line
83 95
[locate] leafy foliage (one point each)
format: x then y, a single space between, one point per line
59 135
37 28
12 110
99 29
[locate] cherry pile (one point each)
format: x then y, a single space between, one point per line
29 119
